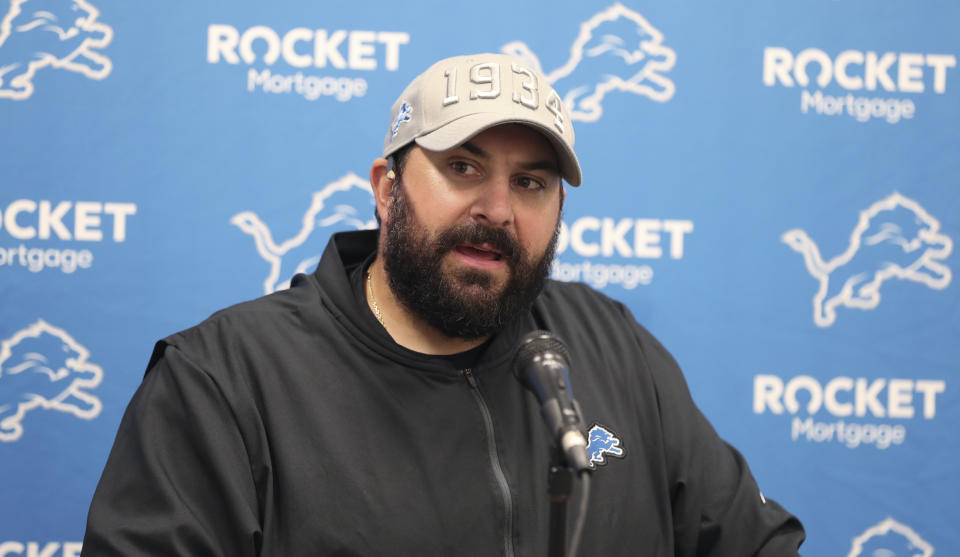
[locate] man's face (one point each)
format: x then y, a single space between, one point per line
471 231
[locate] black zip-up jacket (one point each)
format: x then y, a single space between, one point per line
293 425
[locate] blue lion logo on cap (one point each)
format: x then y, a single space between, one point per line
404 116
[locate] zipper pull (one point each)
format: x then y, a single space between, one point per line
468 373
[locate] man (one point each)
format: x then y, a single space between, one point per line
371 408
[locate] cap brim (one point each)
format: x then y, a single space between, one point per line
459 131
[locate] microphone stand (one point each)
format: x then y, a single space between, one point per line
560 485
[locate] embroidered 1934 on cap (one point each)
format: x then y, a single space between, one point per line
459 97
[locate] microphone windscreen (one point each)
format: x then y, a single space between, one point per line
534 344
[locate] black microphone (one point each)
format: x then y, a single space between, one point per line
541 364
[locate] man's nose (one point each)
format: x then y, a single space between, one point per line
494 203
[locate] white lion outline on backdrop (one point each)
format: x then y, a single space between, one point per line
50 33
616 50
899 239
347 202
42 366
883 533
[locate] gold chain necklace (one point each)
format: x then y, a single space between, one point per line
373 299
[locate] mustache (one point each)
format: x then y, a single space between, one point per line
478 234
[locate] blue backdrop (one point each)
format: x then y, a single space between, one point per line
771 187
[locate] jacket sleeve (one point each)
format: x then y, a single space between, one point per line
718 509
178 479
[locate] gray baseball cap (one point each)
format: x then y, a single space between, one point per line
459 97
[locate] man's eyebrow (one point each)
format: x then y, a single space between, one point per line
540 165
476 151
532 165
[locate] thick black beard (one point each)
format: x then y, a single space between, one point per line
460 304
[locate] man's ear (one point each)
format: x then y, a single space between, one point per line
381 181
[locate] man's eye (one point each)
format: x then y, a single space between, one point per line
461 167
529 183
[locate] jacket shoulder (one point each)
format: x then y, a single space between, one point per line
580 303
605 329
578 293
262 324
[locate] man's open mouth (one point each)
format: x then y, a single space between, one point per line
484 252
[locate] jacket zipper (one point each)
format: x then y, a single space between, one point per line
494 462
